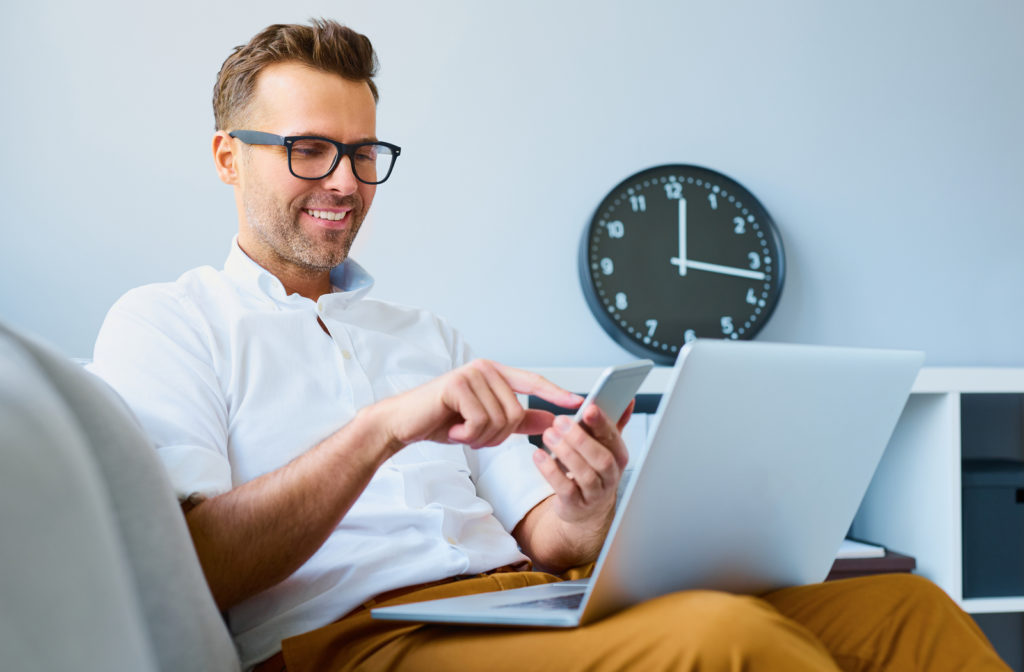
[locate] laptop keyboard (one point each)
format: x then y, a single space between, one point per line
571 601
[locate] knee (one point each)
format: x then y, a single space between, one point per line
911 584
709 613
909 590
919 598
717 629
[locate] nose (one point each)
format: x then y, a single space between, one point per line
342 179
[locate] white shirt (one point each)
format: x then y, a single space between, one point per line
233 378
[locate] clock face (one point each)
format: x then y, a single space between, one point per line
679 252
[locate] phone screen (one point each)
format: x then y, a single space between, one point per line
615 388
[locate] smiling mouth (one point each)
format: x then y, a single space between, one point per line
327 215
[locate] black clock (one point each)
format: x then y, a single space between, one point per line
679 252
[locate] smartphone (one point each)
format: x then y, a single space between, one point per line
615 388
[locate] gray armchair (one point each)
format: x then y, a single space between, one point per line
97 570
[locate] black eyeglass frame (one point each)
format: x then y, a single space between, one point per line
261 138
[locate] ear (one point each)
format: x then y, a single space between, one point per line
225 158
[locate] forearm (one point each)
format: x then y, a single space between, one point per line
555 545
258 534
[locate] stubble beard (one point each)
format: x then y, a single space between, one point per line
279 229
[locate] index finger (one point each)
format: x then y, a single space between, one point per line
527 382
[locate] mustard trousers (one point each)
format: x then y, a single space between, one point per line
888 622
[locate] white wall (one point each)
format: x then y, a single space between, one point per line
884 137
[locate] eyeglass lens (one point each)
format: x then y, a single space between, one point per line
313 159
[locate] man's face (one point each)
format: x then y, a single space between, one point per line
289 225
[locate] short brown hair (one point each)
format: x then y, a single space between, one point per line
325 45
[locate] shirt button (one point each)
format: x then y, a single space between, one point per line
346 354
451 541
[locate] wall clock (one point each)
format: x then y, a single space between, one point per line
678 252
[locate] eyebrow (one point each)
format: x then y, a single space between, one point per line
321 135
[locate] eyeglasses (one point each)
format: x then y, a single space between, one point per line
311 157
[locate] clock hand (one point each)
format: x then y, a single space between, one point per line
680 261
725 270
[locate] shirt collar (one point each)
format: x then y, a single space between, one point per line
351 281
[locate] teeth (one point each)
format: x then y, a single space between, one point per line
330 216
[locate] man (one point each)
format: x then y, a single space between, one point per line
333 452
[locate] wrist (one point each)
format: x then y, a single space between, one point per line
371 424
585 535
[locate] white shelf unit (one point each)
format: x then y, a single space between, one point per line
913 505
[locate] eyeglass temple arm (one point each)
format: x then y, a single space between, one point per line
257 137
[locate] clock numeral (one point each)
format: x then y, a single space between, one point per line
689 336
673 190
607 266
639 203
727 327
651 326
741 225
616 229
713 200
751 297
621 302
755 261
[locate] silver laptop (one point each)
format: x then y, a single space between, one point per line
757 460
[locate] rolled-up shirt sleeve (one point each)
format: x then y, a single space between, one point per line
507 478
153 351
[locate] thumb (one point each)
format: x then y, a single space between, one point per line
535 421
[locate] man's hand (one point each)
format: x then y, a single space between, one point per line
475 405
568 528
594 456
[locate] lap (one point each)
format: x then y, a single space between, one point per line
853 622
678 631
